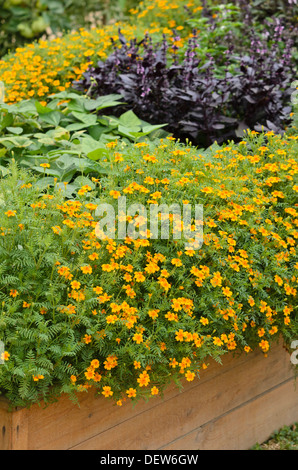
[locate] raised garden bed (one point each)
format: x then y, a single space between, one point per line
231 406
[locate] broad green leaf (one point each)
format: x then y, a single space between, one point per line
48 171
147 129
88 144
129 119
42 109
86 118
103 102
43 183
15 130
77 126
53 118
82 181
7 120
17 141
97 153
129 131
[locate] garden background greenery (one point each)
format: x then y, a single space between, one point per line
162 102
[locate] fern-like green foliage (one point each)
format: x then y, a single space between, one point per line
127 316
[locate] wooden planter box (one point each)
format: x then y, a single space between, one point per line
232 406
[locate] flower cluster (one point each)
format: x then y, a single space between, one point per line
127 315
40 69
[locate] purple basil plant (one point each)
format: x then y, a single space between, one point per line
189 94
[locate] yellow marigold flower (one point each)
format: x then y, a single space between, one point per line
138 338
264 345
217 341
139 277
98 290
216 279
107 391
86 269
153 314
227 291
93 256
207 190
287 310
5 356
273 330
110 362
89 374
189 376
131 392
13 293
154 390
173 363
179 335
36 378
143 379
261 332
57 230
97 377
164 283
95 363
87 339
115 194
176 262
75 284
10 213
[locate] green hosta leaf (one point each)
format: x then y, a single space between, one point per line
131 133
42 109
43 183
52 117
103 102
17 141
129 119
148 128
15 130
82 181
97 153
6 120
87 118
92 147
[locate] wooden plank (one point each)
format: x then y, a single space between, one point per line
181 414
48 428
20 429
5 426
244 426
99 424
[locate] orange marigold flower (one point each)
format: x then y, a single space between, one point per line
10 213
131 392
5 356
107 391
13 293
86 269
154 390
143 379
